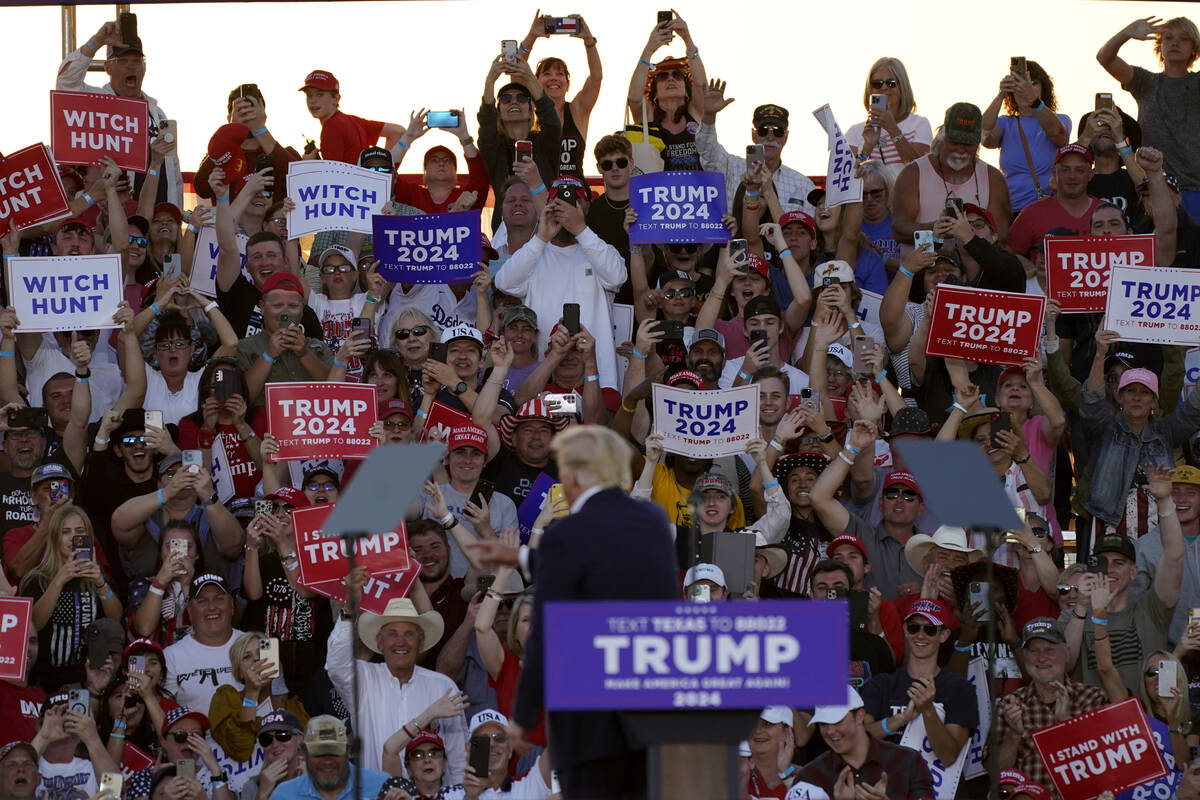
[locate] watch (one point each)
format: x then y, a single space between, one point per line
462 387
1037 548
208 502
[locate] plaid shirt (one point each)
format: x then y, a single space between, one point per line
1035 715
907 774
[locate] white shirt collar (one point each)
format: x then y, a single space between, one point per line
583 498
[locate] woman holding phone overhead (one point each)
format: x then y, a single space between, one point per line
671 92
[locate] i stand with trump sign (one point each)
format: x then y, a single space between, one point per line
65 293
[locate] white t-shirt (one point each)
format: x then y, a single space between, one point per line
529 787
195 671
73 780
174 405
914 128
797 379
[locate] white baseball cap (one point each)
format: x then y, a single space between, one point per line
486 716
462 332
775 714
833 714
705 572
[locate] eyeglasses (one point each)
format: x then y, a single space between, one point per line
870 194
422 755
915 627
609 163
671 294
280 221
684 247
771 130
671 74
398 425
181 736
498 738
892 493
128 441
515 97
172 344
332 268
1040 533
404 333
319 487
140 241
890 83
267 737
1066 589
837 373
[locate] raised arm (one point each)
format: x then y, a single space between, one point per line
1140 29
585 99
660 37
229 260
1168 577
491 649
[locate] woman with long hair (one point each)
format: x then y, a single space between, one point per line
504 659
893 133
129 717
674 91
69 592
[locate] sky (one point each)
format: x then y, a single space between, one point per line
394 57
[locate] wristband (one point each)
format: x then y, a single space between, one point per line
962 648
753 194
373 300
959 407
156 590
635 249
492 593
638 355
152 172
907 274
224 199
211 305
216 784
863 157
522 48
101 442
92 45
259 132
1124 151
881 376
1040 105
85 380
647 63
120 725
1162 513
1024 460
7 353
775 443
107 596
627 409
886 730
421 412
157 311
852 449
854 325
1077 615
403 145
248 703
337 363
267 358
162 498
771 485
115 735
541 188
192 228
842 456
591 378
785 252
751 206
1103 623
741 374
447 519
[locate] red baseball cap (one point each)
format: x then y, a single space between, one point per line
468 436
321 79
225 151
1067 149
424 737
77 222
935 611
799 216
850 539
685 375
394 406
142 645
902 478
971 208
759 265
289 496
170 209
282 280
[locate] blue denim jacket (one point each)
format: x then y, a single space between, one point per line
1117 450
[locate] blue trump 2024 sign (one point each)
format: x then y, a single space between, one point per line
678 207
430 248
659 655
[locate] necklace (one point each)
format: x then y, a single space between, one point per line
614 206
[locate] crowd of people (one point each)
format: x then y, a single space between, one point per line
173 641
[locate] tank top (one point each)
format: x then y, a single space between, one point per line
934 190
572 144
679 150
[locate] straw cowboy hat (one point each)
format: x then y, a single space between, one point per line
400 609
946 537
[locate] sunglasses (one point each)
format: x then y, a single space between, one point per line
140 241
404 333
422 755
1066 589
1040 533
619 163
1151 671
171 344
870 194
397 425
890 83
685 247
130 441
771 130
499 738
337 268
181 736
671 294
319 487
914 628
384 170
265 739
908 494
669 74
280 221
515 97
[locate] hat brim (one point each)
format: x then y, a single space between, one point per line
508 424
776 558
919 546
430 622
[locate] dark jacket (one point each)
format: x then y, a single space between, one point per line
499 152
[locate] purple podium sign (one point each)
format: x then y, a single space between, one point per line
662 655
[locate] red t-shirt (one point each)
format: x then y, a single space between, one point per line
245 472
344 136
505 685
417 194
1037 218
20 708
1031 605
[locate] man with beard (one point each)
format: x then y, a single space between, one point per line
428 542
525 452
183 739
706 356
1115 171
1051 696
19 778
25 447
1070 207
951 169
579 268
328 774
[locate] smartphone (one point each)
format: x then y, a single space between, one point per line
484 489
757 335
562 25
81 541
442 119
224 383
524 150
954 207
264 162
567 193
483 583
879 102
264 507
570 315
554 495
362 324
562 405
810 398
858 599
862 346
153 419
665 17
700 593
286 320
28 418
1104 100
166 130
309 146
1001 421
59 491
128 23
185 768
1098 565
111 783
1168 675
1017 66
172 266
672 329
738 250
923 238
79 701
508 49
137 663
481 754
977 592
193 458
754 154
437 351
268 650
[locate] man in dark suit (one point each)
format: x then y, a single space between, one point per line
611 547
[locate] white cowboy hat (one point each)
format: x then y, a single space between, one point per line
946 537
775 555
400 609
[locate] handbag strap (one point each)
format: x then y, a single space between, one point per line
1037 185
645 121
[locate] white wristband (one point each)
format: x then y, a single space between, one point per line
775 443
959 407
208 308
156 590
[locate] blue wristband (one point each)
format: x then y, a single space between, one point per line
337 363
907 274
81 380
421 412
591 378
403 145
248 703
162 499
108 596
962 649
854 450
785 252
753 194
223 199
741 374
259 132
854 325
886 730
267 358
1125 151
770 485
153 173
647 63
7 353
1103 623
638 355
1040 105
89 199
154 307
881 376
538 190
